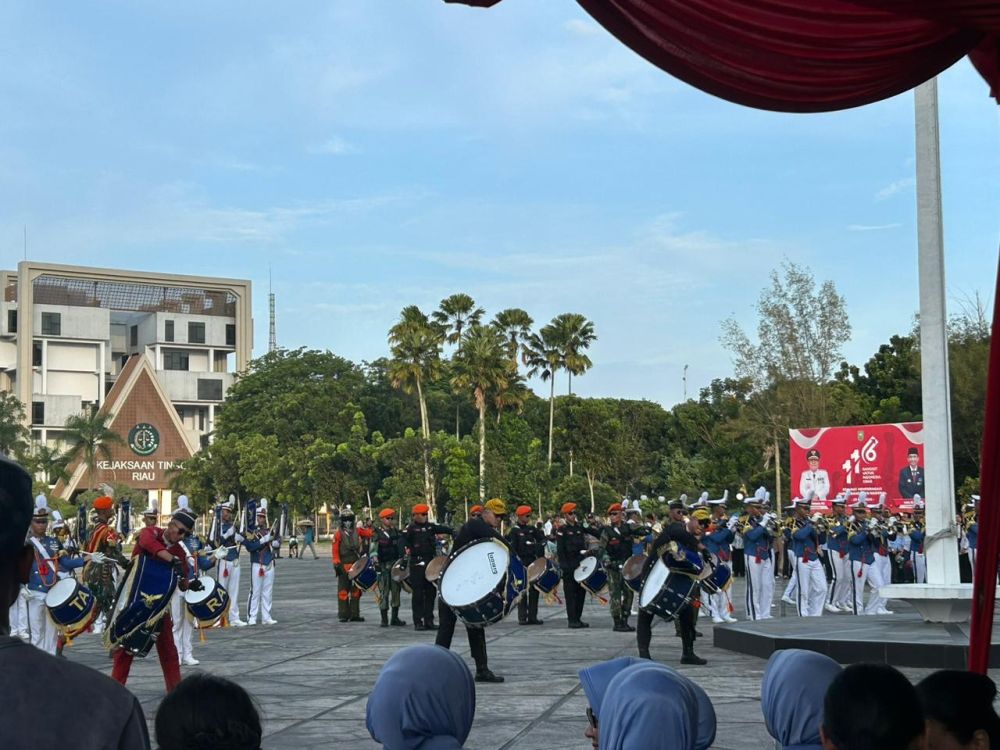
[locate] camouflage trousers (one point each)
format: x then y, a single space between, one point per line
387 588
621 595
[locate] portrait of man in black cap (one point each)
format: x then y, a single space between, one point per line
814 479
911 478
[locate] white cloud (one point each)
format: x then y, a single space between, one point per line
334 146
581 27
895 187
872 227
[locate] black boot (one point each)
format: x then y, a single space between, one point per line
618 628
626 628
385 617
485 675
395 618
689 656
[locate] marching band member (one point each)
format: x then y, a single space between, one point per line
758 537
970 520
476 511
862 554
485 527
419 538
100 575
44 575
228 571
163 547
151 515
571 548
386 549
616 543
676 531
528 543
838 545
261 548
881 571
18 615
809 568
347 549
718 539
918 534
792 589
183 627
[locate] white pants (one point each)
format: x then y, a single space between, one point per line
760 588
793 581
260 592
972 561
812 587
919 567
229 576
18 614
43 630
182 625
859 576
876 579
840 586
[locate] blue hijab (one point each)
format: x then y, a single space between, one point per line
406 711
791 696
649 707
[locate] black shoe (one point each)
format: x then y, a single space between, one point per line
418 627
359 618
699 634
626 628
385 618
584 624
692 658
578 625
396 622
485 675
536 621
344 619
524 622
431 625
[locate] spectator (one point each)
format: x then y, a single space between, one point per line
425 698
791 696
205 712
649 707
871 707
958 709
99 714
308 538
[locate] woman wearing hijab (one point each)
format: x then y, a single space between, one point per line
791 696
649 707
424 699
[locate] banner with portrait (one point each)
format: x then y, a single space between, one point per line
873 458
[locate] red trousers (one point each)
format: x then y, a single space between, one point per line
165 650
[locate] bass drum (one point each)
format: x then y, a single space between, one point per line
143 600
483 582
666 593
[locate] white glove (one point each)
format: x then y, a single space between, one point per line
99 558
229 532
873 523
239 538
220 554
266 538
731 525
276 544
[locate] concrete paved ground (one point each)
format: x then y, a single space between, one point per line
311 674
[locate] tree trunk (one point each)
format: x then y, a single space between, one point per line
457 435
552 412
482 452
425 429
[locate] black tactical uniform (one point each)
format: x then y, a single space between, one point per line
419 539
528 543
571 548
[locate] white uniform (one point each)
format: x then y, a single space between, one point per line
816 482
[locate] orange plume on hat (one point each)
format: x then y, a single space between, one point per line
523 510
104 503
421 508
568 508
387 513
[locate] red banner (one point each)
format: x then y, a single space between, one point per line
872 458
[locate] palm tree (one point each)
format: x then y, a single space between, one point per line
50 463
416 349
575 334
454 315
515 325
90 439
543 354
482 366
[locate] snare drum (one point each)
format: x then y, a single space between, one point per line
633 571
435 568
483 582
720 579
666 593
363 573
71 606
208 605
401 574
590 574
543 574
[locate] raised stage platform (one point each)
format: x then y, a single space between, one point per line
902 639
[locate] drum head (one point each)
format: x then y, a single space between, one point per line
400 572
587 566
474 572
358 566
196 597
654 582
61 593
633 566
435 567
537 569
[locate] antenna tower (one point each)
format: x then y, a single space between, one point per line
272 339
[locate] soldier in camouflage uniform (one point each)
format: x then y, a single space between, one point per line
101 578
616 543
386 549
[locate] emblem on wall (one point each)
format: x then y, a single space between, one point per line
143 439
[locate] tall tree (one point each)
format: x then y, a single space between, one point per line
481 365
575 334
454 315
13 434
416 349
543 355
90 439
514 325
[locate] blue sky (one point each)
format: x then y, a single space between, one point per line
377 154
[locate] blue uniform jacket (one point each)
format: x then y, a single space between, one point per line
44 573
861 548
805 542
260 552
719 541
836 540
230 542
972 535
757 542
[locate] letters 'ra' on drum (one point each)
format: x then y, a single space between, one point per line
208 605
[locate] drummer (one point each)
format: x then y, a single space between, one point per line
616 546
675 531
485 527
386 549
163 547
528 543
347 548
45 571
197 559
419 540
571 548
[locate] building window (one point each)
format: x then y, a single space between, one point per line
36 353
168 330
37 412
12 321
230 334
133 336
174 360
51 324
196 333
209 390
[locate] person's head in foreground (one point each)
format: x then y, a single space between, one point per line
596 679
872 707
205 712
791 696
424 699
16 508
958 709
648 707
